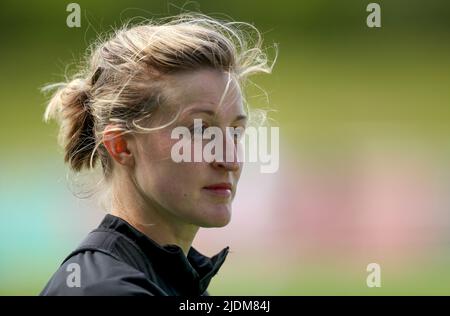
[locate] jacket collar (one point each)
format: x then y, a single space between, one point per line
187 275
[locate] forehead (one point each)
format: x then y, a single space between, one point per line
206 89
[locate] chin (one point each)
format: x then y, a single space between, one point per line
216 217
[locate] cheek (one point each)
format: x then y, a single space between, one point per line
155 146
186 177
241 167
170 182
179 187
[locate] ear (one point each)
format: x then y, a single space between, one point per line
117 145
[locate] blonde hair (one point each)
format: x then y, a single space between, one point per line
122 79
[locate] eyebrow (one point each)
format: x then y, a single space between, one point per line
212 113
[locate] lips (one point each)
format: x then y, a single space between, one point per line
219 186
219 189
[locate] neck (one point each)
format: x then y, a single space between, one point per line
147 216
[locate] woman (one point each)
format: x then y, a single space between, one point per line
121 110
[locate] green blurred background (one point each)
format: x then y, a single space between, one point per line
364 119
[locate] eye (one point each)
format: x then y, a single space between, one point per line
238 132
198 130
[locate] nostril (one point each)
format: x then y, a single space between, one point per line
233 166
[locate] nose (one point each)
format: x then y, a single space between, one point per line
227 166
233 164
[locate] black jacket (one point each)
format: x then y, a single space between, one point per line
117 259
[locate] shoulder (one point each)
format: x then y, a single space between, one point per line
95 273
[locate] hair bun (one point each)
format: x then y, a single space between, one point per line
70 106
